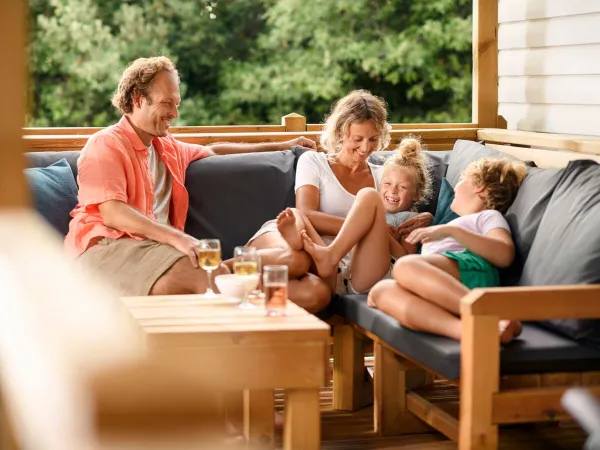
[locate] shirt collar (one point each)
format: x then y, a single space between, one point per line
133 137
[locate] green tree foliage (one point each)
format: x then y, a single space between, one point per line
252 61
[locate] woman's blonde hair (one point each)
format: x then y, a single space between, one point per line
499 178
409 156
137 80
356 107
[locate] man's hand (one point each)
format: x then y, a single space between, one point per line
419 221
429 234
302 142
187 245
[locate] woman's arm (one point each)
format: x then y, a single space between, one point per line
307 201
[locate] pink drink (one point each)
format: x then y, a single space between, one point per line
275 298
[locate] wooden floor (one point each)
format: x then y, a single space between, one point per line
344 430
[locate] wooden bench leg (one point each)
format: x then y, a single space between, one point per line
479 381
348 369
302 427
259 418
392 378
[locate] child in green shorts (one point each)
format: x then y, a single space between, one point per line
461 255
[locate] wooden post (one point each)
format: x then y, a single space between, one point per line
485 63
348 368
302 428
13 189
294 122
479 381
259 418
390 414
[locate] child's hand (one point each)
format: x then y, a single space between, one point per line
419 221
429 234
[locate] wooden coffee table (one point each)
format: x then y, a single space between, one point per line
287 352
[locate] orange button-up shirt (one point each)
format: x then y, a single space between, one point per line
114 166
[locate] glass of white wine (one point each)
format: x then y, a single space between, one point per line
245 266
209 258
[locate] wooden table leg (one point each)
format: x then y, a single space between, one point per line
302 428
259 418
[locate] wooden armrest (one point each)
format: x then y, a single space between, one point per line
534 302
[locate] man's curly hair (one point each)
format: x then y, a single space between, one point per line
500 180
137 80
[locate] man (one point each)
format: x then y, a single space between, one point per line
132 206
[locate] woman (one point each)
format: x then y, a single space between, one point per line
326 188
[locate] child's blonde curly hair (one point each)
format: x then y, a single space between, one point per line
356 107
499 178
410 157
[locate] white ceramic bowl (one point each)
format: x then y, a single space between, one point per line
231 286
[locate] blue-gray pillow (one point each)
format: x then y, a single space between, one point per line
465 152
54 193
443 213
566 247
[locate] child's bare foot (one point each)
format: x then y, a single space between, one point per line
509 329
322 257
286 224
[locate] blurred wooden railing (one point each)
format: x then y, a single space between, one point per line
434 136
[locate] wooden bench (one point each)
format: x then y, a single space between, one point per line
488 397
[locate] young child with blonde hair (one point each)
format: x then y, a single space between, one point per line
464 254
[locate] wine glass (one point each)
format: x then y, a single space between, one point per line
245 266
209 258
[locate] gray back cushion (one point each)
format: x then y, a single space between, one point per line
45 159
566 248
525 214
465 152
231 196
437 163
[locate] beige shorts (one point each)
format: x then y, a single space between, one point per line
268 227
343 284
130 266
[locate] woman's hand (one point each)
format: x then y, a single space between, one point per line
419 221
429 234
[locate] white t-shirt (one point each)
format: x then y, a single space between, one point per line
162 186
314 169
481 223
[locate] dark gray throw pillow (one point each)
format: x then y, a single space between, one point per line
231 196
566 248
525 214
465 152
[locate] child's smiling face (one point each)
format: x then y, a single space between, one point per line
398 189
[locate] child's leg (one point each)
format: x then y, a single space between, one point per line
412 311
432 277
419 314
366 230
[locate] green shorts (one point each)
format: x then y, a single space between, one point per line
475 272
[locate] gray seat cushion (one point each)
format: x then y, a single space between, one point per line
232 196
525 214
566 248
465 152
536 350
45 159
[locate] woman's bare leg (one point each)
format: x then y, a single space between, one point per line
309 292
366 230
273 249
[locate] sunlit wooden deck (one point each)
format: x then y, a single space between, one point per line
354 430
